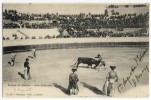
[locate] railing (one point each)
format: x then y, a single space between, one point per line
25 48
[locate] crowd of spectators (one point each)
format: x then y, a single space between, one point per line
77 25
87 34
77 21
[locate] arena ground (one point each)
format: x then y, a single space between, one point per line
51 71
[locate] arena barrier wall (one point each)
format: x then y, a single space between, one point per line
25 48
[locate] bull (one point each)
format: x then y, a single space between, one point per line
89 62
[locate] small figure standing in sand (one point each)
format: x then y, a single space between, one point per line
13 56
34 52
112 77
27 70
73 82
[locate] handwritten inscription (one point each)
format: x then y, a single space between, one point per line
133 80
139 57
22 90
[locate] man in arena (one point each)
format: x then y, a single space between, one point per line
13 56
100 61
34 52
27 70
99 57
73 79
112 77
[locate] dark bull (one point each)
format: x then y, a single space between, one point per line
89 62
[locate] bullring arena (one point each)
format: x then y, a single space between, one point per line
51 68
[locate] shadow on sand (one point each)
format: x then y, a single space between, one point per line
85 67
64 90
92 88
21 75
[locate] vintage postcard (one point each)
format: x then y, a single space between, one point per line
75 50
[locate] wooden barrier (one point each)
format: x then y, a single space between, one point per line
72 45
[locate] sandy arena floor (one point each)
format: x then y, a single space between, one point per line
51 69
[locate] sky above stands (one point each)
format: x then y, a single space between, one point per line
54 8
63 8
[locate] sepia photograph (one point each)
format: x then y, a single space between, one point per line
72 50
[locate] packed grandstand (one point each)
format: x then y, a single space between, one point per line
112 23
